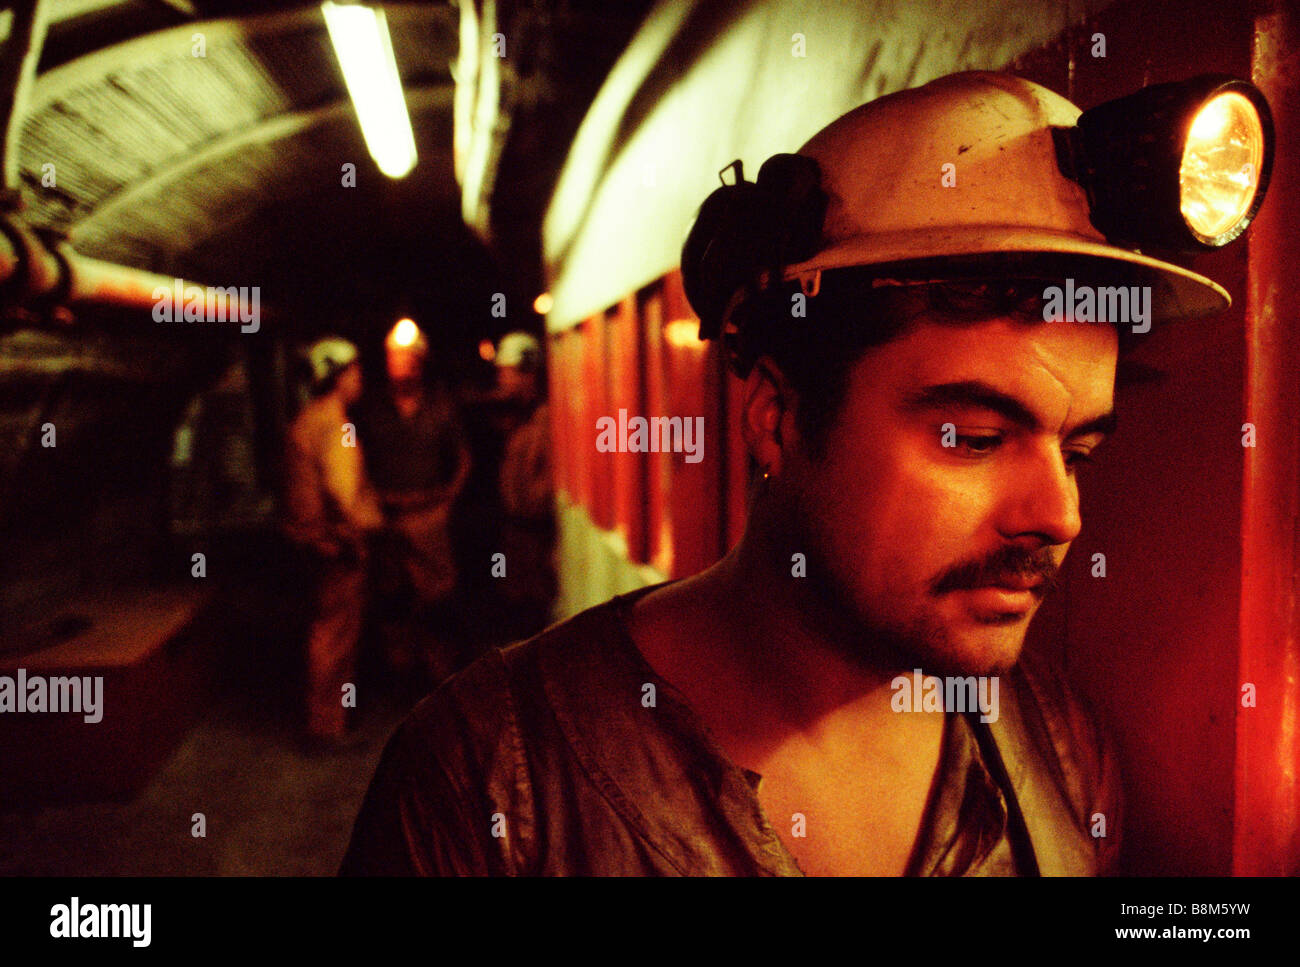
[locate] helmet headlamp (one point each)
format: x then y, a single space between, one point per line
976 175
1181 166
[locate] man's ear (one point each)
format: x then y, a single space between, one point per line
767 416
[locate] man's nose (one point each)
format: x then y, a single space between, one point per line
1043 499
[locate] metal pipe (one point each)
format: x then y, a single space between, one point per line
35 274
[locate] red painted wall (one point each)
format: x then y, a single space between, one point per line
625 391
643 356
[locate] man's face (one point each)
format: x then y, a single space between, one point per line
936 550
404 362
350 385
514 383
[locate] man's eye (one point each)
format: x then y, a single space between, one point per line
1074 459
978 444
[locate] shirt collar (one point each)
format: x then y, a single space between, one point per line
655 761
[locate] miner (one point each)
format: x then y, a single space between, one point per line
330 509
916 429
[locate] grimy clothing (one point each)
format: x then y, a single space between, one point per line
328 506
543 759
422 452
338 609
328 500
414 461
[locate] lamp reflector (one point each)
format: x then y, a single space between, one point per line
1219 173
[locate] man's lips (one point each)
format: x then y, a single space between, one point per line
1008 594
1007 572
1001 599
1013 583
1016 583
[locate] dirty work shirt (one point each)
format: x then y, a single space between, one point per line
540 759
420 453
327 495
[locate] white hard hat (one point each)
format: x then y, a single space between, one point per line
519 349
329 355
962 178
883 168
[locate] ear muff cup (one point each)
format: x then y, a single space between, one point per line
722 251
749 228
749 322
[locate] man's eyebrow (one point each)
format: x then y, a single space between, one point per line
976 393
972 393
1104 424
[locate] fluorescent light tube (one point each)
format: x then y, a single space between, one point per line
365 55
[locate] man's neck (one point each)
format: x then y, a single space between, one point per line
773 675
407 396
760 655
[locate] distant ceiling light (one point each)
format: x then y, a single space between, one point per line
365 55
543 304
405 335
487 351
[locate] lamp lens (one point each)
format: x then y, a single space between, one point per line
1220 169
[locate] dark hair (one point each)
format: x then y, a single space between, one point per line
853 312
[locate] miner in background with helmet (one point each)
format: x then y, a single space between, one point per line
329 509
417 455
916 426
527 487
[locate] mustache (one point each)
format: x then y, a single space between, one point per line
1003 565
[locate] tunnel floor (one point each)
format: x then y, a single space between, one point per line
270 805
271 808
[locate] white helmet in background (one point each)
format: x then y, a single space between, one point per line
521 350
329 356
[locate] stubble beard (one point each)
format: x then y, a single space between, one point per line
891 643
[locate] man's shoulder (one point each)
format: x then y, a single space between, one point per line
1072 724
473 712
317 413
1061 740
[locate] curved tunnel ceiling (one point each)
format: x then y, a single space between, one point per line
157 153
224 169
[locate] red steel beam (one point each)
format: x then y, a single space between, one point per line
1266 840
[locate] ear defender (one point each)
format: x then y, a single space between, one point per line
747 232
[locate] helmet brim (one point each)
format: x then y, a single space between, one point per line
969 252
